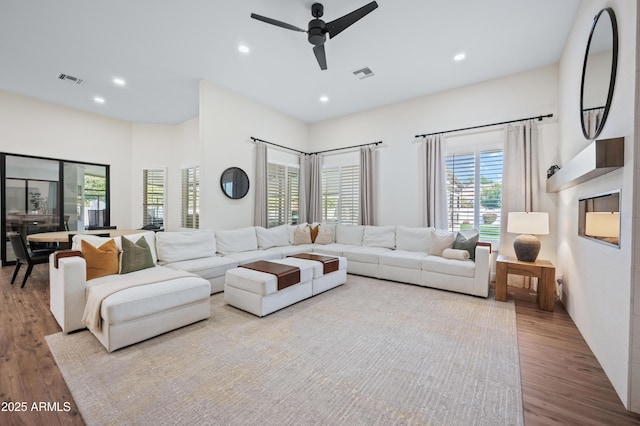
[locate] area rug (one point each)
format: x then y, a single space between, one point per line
368 352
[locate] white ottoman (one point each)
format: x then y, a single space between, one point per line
257 292
321 281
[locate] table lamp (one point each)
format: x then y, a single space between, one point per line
526 245
603 224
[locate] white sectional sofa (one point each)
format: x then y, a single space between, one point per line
395 253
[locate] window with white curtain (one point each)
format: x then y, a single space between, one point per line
153 196
190 217
283 182
474 190
341 194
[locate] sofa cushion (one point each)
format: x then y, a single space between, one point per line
205 267
413 239
326 234
186 245
403 259
253 255
460 268
302 235
379 236
96 241
236 240
365 254
140 301
349 234
272 237
135 256
466 240
333 249
441 240
102 260
287 250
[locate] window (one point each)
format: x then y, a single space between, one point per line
153 184
282 194
190 198
474 192
341 194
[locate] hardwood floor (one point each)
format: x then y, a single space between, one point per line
562 382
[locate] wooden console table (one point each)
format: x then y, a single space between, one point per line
541 269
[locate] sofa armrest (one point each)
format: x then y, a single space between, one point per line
67 289
483 270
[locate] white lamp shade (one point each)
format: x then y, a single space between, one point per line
535 223
603 224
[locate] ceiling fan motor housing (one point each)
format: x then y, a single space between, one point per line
317 10
317 31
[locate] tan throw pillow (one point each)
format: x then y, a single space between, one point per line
441 240
101 260
135 256
302 235
314 232
325 235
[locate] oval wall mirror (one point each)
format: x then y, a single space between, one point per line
234 183
599 73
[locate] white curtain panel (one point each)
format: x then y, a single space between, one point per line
592 119
434 178
520 176
367 184
314 214
260 186
303 188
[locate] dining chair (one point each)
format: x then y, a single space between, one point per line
25 256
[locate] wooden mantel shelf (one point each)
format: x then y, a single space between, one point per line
601 157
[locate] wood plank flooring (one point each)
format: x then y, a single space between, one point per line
562 382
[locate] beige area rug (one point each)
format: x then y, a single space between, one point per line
368 352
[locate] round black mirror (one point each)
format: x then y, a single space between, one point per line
234 183
599 73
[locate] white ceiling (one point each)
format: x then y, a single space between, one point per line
162 48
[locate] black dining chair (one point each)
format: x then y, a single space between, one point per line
25 256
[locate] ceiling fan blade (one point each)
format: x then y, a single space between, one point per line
320 56
277 23
337 26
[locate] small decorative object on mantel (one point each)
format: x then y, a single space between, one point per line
552 170
527 246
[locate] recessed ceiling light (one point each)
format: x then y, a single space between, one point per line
243 48
324 99
119 81
98 100
459 57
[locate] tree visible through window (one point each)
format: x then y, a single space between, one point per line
474 192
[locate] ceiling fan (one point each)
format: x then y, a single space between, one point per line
318 28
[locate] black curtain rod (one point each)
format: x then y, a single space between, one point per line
539 118
311 153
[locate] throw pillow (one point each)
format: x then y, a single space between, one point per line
441 240
325 235
456 254
135 256
101 260
302 235
467 242
314 232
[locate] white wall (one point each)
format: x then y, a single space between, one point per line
168 147
33 127
227 122
512 97
597 291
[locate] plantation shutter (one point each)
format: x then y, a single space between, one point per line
282 194
153 187
190 198
341 194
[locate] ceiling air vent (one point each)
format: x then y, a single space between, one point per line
363 73
70 78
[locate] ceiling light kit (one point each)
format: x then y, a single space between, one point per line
98 99
119 81
324 99
318 29
459 57
243 48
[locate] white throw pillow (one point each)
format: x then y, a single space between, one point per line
272 237
302 235
440 241
380 236
456 254
325 234
236 240
185 245
349 234
413 239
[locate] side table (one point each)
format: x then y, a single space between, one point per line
541 269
